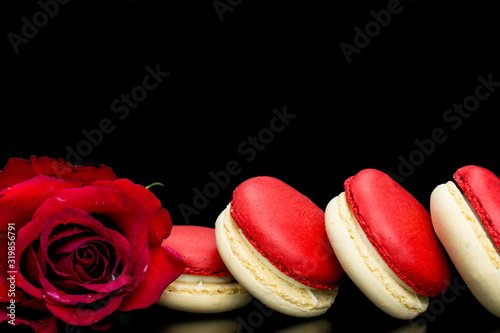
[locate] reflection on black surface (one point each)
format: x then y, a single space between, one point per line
410 329
352 315
317 326
234 325
203 326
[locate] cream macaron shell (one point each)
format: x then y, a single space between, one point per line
468 244
204 294
364 265
267 283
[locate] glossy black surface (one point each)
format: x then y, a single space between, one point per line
395 102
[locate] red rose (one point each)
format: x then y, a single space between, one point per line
87 244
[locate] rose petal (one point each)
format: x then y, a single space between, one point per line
68 215
17 170
72 232
61 169
19 202
124 280
63 266
51 167
53 295
45 325
33 303
108 203
165 266
85 316
120 245
91 173
159 222
27 235
32 275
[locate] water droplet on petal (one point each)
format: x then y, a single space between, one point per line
145 269
61 199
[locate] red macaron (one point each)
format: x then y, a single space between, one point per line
400 229
197 247
287 229
206 285
482 189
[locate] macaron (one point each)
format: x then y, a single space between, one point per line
466 217
384 240
273 240
206 285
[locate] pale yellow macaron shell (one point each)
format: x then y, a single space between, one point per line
469 246
200 294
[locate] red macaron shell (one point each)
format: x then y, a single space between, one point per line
198 249
288 229
482 188
400 229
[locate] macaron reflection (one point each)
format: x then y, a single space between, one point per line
317 326
205 326
410 329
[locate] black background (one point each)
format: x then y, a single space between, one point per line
225 79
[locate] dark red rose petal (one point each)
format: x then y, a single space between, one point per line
124 280
82 221
27 235
105 202
165 267
32 274
79 277
60 169
30 233
159 222
19 202
85 316
44 325
17 170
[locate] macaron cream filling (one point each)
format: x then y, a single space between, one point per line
270 266
190 278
